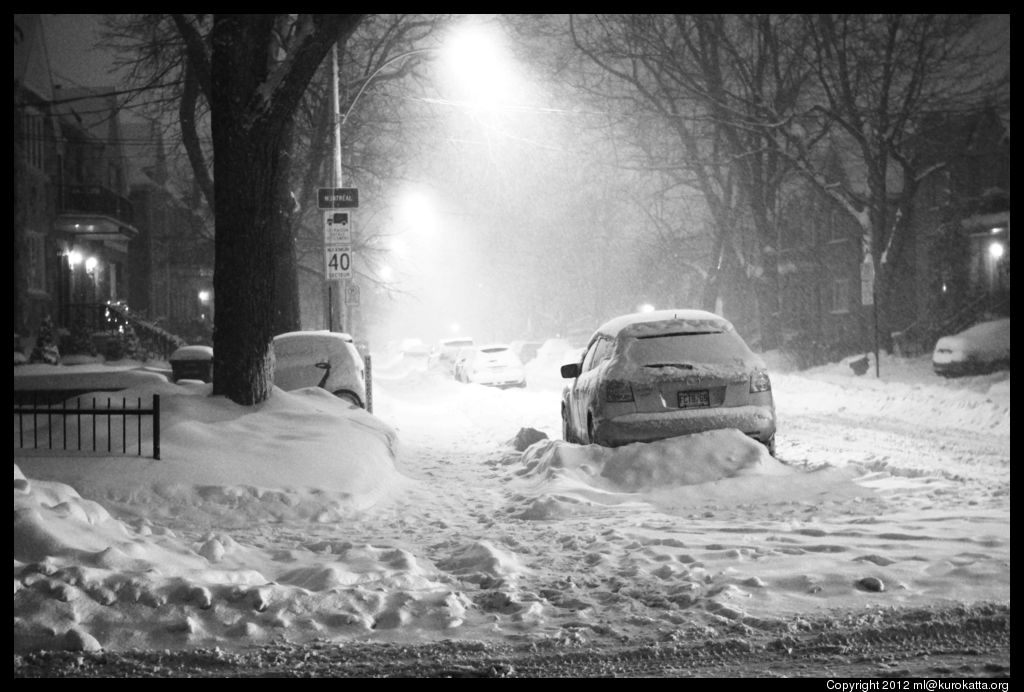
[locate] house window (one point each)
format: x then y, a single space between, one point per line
33 124
36 265
836 227
840 296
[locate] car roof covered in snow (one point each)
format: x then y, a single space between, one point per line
325 333
665 321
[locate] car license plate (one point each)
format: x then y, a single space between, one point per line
695 399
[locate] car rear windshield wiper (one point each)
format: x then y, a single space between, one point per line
667 334
683 366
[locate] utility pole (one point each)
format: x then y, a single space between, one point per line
332 294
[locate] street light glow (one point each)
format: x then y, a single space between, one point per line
416 213
479 64
996 250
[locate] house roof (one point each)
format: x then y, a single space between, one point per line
31 64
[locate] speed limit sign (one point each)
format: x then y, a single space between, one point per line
338 260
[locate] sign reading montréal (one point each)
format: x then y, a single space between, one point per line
337 197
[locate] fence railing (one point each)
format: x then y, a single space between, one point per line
37 415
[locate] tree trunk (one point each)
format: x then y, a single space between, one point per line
286 293
248 226
252 108
247 170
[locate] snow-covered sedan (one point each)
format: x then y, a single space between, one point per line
494 365
654 375
982 348
325 359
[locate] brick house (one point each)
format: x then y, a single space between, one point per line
953 261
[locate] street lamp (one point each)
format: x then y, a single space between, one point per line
465 51
340 120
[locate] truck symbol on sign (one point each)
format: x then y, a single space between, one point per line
338 218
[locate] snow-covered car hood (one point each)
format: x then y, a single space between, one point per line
985 341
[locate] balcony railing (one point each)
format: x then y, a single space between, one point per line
95 199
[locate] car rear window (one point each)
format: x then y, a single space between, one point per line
688 348
498 355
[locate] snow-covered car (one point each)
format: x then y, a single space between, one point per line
982 348
459 360
448 350
654 375
323 359
494 365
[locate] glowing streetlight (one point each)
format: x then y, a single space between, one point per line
91 264
478 61
74 258
996 250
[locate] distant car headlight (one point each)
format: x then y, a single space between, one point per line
618 392
760 382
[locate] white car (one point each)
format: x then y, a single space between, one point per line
494 365
653 375
982 348
325 359
447 352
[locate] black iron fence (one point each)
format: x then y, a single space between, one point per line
41 419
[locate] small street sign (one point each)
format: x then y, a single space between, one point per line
338 262
337 228
867 282
337 197
351 293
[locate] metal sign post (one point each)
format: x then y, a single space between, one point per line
338 234
867 297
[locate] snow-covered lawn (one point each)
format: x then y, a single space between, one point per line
456 512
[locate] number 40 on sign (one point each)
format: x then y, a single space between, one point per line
339 262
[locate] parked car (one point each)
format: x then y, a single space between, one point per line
654 375
494 365
415 353
459 361
979 349
447 350
320 359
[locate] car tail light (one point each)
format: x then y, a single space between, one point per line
759 382
618 391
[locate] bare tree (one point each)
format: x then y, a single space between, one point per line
165 84
876 78
253 70
702 93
